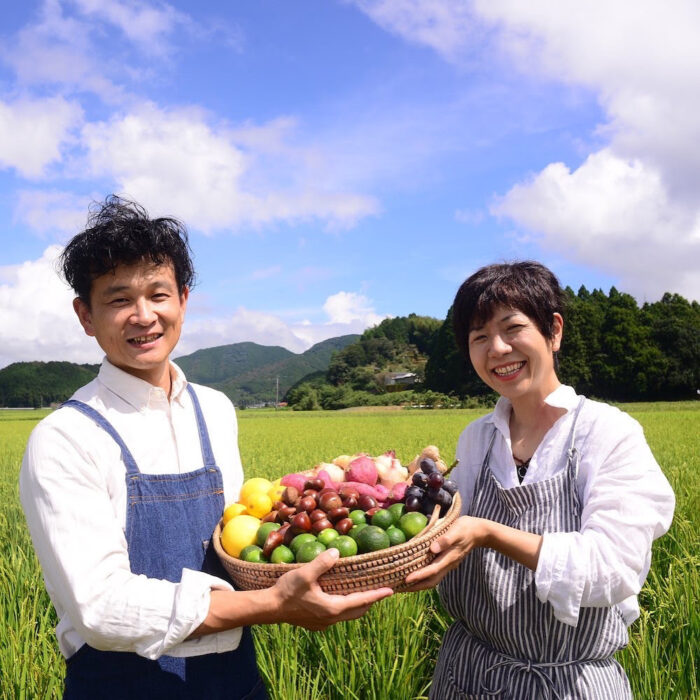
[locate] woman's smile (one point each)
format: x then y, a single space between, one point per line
509 371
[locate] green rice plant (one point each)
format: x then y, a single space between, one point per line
389 653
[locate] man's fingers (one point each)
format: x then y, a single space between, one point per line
318 566
366 598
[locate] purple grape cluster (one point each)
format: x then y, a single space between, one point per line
430 488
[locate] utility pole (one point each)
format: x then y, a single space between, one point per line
277 393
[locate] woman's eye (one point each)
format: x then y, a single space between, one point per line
478 338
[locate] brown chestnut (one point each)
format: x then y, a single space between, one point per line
329 501
327 489
320 525
349 491
301 523
284 513
317 514
278 504
308 503
366 502
349 501
271 517
338 514
311 493
274 540
372 511
344 526
316 484
290 496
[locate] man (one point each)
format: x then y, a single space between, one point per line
123 486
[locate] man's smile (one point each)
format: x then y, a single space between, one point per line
508 370
144 339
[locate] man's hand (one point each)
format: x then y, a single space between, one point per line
301 601
451 548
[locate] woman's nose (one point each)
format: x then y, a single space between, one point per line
498 346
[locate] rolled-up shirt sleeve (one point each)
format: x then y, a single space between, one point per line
627 502
82 549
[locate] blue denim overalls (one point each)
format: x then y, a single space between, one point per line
194 502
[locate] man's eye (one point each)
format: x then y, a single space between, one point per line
118 301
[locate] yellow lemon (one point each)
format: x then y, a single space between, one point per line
275 493
255 485
258 504
231 511
238 533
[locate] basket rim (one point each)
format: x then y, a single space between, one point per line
435 523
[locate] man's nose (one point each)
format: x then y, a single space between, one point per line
143 312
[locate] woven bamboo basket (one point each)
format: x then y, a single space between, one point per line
363 572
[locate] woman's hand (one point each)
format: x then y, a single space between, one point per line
465 534
301 601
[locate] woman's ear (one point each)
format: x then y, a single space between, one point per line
557 331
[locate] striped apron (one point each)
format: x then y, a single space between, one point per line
505 643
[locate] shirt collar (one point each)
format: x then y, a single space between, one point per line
138 392
562 397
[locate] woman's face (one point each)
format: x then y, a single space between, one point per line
510 354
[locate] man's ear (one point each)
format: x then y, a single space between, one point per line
82 311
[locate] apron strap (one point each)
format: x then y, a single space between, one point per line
90 412
204 441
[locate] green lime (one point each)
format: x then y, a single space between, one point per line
327 536
383 518
354 531
345 545
281 554
253 553
372 539
396 536
309 551
397 510
299 540
358 517
263 531
412 523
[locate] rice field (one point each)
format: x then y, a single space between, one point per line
390 653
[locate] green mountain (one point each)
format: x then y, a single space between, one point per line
42 383
248 373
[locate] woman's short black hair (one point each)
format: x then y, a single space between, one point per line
119 232
526 285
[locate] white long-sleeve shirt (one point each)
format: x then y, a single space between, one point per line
626 502
72 489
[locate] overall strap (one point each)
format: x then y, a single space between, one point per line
90 412
204 442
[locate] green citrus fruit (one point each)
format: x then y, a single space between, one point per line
372 539
358 517
354 531
309 551
345 545
397 510
383 518
396 536
299 540
263 531
281 554
327 536
412 523
253 553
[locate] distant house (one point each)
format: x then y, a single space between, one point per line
400 379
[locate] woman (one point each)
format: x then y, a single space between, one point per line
562 497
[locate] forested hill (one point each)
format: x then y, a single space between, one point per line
247 372
612 350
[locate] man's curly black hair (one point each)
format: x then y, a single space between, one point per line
119 232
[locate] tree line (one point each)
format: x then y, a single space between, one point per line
612 349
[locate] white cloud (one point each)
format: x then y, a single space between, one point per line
36 315
38 321
54 212
175 162
615 215
33 132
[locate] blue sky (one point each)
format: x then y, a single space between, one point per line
341 161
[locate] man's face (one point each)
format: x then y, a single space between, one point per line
136 315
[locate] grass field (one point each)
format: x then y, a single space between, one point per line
390 653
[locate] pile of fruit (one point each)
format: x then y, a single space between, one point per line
354 504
